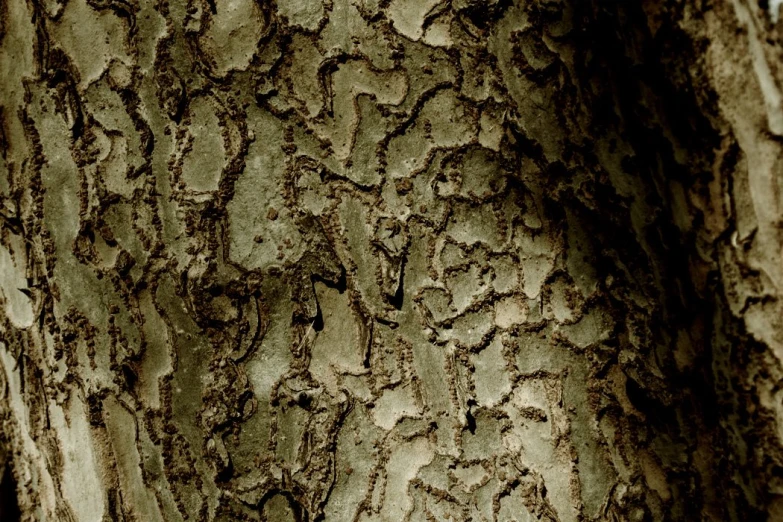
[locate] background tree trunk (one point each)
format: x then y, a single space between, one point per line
397 260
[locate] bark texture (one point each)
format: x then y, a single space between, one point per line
357 260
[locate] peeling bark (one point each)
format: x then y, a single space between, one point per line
359 261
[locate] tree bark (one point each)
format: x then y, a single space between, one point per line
383 261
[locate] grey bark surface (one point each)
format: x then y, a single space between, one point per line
349 260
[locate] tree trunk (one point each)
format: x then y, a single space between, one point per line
382 261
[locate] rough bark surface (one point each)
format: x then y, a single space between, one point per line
360 260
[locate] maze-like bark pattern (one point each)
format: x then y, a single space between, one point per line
352 260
